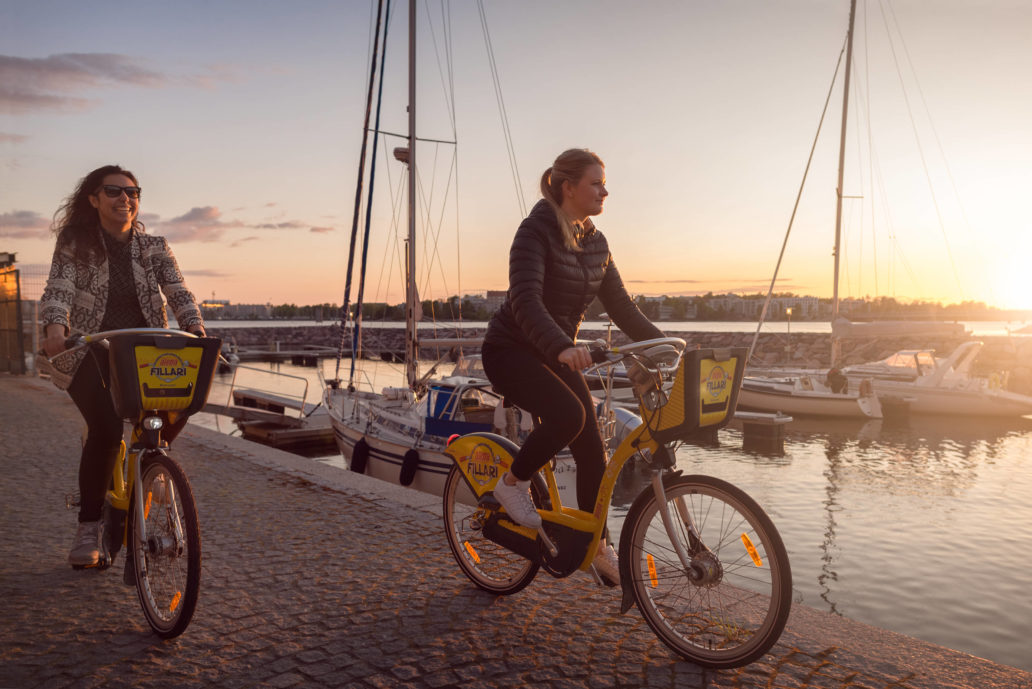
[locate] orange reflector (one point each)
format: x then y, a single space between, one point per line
175 601
471 551
147 504
652 570
751 549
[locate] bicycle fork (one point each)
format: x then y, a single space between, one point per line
142 509
698 571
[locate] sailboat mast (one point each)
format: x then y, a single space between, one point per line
841 175
411 297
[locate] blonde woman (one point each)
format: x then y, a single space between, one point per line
558 263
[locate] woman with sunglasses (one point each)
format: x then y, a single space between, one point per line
106 274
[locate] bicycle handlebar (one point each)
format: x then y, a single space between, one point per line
79 340
603 355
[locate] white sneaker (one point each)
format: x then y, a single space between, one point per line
607 564
86 546
517 502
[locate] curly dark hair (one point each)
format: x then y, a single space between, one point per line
76 221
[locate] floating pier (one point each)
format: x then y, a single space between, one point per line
262 417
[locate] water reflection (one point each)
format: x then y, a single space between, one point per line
888 522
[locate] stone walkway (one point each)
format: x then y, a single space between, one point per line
317 577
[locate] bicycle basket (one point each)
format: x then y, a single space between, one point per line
161 373
704 394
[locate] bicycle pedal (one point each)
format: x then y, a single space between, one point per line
99 564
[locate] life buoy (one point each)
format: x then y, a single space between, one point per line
409 464
360 456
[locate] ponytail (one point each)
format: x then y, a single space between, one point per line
568 167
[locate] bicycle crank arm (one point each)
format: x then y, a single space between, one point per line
552 550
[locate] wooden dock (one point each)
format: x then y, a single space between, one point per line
262 417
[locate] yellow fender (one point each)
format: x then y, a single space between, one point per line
482 458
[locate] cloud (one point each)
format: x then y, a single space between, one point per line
667 282
208 273
202 224
287 225
51 83
23 224
206 224
6 138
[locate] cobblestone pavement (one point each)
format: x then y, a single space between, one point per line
311 579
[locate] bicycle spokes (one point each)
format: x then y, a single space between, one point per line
711 579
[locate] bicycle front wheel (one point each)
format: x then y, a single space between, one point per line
730 605
489 565
167 563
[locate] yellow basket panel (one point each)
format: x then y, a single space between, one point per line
716 382
167 378
673 413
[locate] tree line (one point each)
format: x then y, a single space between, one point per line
704 307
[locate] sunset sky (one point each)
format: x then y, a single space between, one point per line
242 119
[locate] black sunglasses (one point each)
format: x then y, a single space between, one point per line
113 191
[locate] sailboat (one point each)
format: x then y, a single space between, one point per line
399 433
908 381
808 393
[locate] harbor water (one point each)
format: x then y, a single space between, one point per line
922 526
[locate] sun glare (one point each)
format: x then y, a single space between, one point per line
1008 275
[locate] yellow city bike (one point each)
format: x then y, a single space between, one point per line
702 561
158 378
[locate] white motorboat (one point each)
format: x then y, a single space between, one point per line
933 385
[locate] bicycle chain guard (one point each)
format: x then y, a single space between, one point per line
572 545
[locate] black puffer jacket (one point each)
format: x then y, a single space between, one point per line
551 286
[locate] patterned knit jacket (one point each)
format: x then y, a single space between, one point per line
551 287
76 294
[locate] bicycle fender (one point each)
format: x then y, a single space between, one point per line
482 458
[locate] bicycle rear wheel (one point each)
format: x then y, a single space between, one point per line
730 606
167 566
490 566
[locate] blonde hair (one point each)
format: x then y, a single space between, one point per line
568 167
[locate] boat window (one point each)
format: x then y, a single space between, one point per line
901 360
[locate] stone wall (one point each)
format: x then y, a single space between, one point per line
1005 355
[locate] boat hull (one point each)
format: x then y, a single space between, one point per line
947 401
787 399
389 450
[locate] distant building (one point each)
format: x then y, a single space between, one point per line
223 309
493 300
249 311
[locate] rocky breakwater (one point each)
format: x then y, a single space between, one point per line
1010 358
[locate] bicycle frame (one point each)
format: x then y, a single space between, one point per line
484 457
126 491
698 556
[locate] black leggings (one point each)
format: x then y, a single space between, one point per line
560 400
89 391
